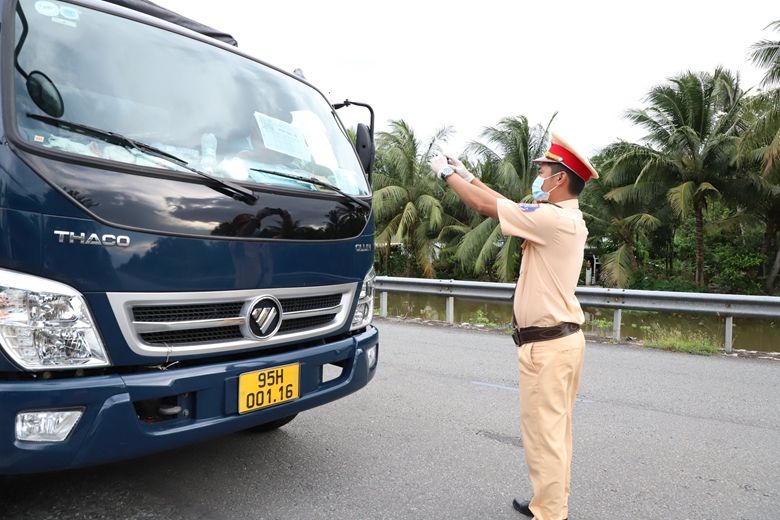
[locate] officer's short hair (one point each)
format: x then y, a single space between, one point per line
576 184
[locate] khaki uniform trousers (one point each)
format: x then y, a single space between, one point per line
549 378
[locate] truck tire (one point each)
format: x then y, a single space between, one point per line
273 425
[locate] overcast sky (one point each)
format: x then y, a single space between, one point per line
468 64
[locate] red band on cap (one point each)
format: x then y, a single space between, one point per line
571 161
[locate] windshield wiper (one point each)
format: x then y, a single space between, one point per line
317 182
115 138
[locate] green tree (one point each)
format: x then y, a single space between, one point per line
407 198
761 145
506 165
620 226
693 122
759 158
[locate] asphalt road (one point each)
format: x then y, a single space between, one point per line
436 435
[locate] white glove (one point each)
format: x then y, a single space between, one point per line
438 163
461 170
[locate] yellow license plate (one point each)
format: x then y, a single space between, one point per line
268 387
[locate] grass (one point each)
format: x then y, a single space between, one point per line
480 317
603 326
671 339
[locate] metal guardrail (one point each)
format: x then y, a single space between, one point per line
727 306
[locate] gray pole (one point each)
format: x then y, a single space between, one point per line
729 333
450 309
616 317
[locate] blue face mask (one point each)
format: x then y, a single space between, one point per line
536 187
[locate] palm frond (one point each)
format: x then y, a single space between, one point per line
642 222
388 201
766 55
408 221
760 142
656 123
452 233
617 266
425 252
706 189
435 143
624 194
508 259
472 242
488 251
681 198
388 232
430 207
482 151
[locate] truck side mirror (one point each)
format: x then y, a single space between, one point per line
44 94
365 148
364 137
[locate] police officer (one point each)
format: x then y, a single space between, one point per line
547 315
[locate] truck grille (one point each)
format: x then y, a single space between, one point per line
314 302
156 324
305 323
187 312
178 337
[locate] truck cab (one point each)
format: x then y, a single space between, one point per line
187 239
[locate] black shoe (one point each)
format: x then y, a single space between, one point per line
523 509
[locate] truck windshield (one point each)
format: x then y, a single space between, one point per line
224 114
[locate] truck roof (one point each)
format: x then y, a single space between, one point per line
152 9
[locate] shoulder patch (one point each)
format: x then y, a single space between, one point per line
527 208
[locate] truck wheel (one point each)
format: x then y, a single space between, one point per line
273 425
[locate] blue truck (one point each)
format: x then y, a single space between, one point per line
187 238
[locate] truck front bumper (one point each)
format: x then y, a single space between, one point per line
110 428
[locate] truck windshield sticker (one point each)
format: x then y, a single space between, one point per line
47 8
63 21
282 137
63 15
69 13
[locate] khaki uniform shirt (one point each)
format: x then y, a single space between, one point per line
552 260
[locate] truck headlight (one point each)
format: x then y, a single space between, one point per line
364 312
45 325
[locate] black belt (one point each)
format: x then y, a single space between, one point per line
533 334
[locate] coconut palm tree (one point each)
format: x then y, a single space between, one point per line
693 122
762 140
758 154
622 226
505 164
407 197
766 54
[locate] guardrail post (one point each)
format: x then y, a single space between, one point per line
616 317
383 304
450 309
729 331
